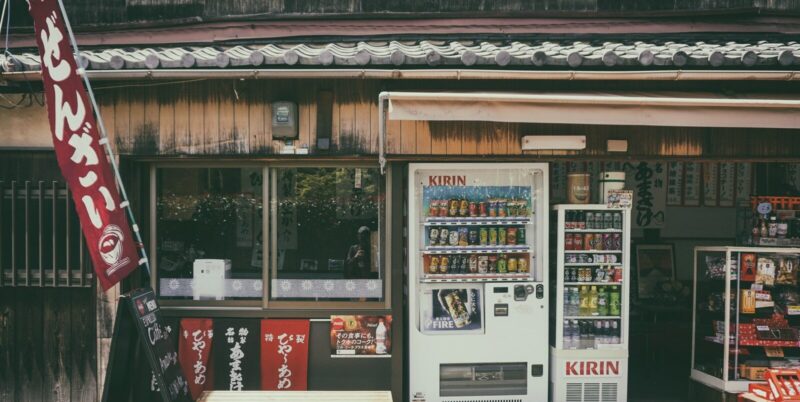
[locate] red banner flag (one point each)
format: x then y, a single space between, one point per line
79 150
194 353
284 355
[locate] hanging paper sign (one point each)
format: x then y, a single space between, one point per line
194 353
727 184
675 184
710 184
743 173
558 183
284 354
235 354
648 180
361 335
79 151
691 177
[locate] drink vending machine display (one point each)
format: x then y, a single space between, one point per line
477 282
590 347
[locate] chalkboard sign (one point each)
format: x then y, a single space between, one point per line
139 330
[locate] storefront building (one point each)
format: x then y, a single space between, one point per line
287 150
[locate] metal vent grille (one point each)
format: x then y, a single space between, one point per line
484 400
574 392
591 392
609 393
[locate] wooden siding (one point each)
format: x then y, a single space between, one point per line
47 345
233 118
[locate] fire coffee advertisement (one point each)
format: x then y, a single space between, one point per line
453 310
361 336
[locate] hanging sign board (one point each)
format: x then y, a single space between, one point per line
80 153
140 330
648 180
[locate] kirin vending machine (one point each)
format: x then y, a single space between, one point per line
590 346
478 302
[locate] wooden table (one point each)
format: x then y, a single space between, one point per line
298 396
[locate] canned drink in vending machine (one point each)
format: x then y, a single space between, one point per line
577 241
608 220
433 267
492 236
501 236
463 209
473 236
521 235
512 264
473 264
463 237
616 241
454 204
433 236
453 239
568 245
433 208
590 220
522 264
608 241
502 208
443 208
618 220
511 236
444 236
484 236
483 208
483 264
473 208
588 241
444 263
493 208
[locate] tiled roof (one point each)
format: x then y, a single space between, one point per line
460 54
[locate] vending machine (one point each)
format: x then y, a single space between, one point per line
590 347
478 299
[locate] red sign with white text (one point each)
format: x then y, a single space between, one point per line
284 355
194 353
78 150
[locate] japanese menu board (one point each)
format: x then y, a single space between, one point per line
361 335
138 328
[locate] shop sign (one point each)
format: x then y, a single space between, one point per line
648 180
194 353
79 150
592 368
447 181
361 336
284 354
235 358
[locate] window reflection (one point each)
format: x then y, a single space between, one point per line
328 234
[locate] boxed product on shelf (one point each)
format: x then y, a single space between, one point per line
755 373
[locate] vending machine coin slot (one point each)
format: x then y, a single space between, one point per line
520 294
501 310
501 290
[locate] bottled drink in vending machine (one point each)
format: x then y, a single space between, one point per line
615 338
599 335
576 335
593 301
568 334
584 301
602 301
575 301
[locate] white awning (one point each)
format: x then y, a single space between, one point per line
663 109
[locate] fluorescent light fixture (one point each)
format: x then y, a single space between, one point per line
543 142
617 145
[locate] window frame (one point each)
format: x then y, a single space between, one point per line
269 226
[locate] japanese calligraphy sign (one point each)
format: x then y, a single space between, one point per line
284 354
648 180
79 152
361 335
194 353
235 354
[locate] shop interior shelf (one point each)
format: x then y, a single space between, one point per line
437 278
782 344
510 220
593 230
593 283
592 317
592 251
592 264
476 250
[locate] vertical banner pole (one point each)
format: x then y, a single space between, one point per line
109 152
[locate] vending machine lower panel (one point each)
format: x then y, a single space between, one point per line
599 378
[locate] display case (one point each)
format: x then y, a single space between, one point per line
477 272
746 314
589 349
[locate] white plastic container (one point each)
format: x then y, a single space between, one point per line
610 181
209 278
